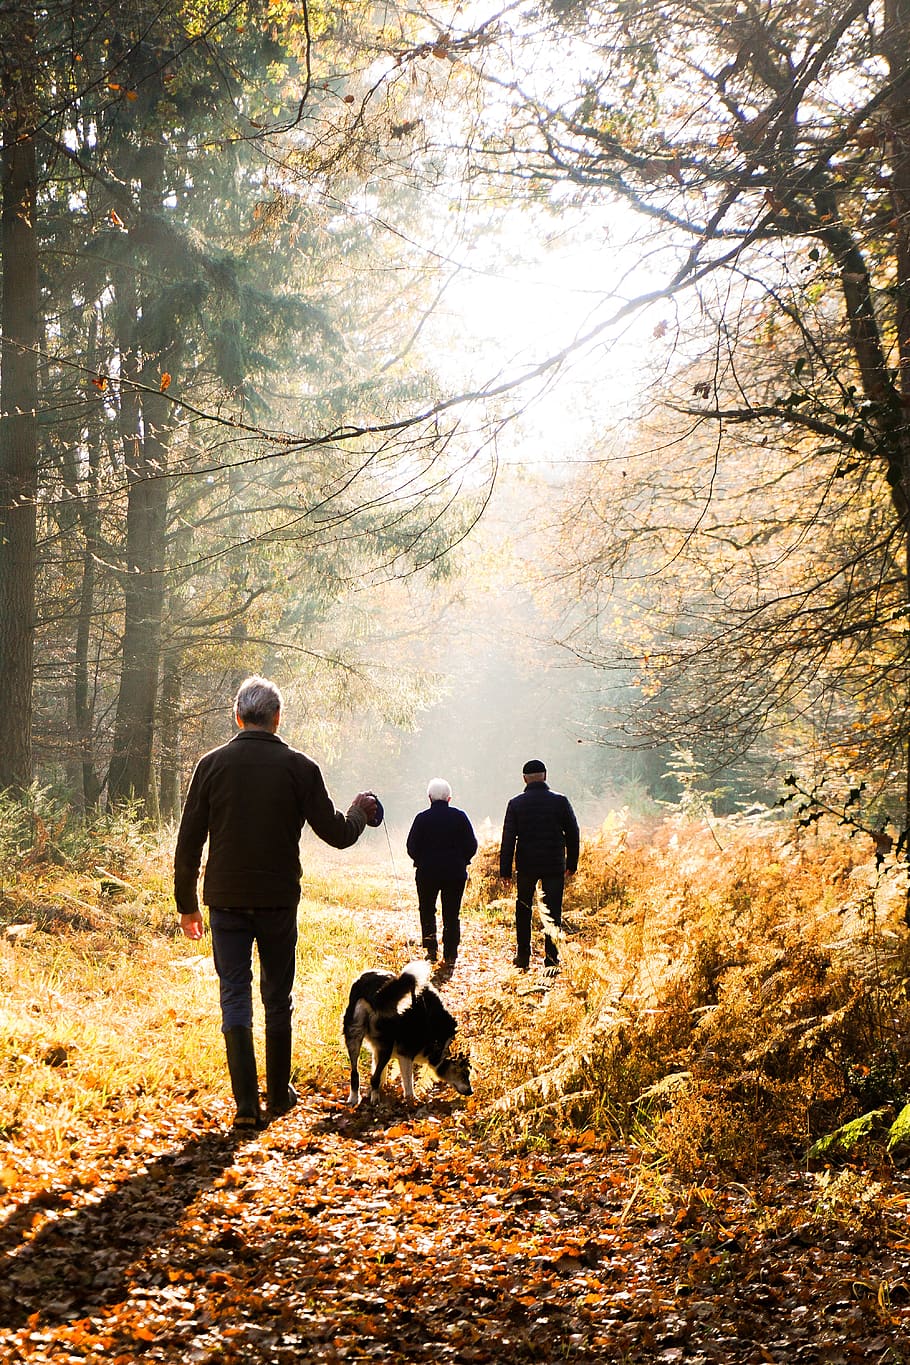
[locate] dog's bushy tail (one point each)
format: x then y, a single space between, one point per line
396 996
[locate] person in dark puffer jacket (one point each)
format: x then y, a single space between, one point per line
540 834
441 843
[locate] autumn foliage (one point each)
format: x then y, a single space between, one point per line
730 992
629 1181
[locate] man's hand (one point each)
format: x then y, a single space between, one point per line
192 925
367 802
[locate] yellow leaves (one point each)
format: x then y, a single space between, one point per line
509 1246
117 221
413 1191
100 382
165 382
142 1333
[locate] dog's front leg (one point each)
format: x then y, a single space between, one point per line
354 1043
406 1068
381 1058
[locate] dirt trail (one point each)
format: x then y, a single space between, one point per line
407 1236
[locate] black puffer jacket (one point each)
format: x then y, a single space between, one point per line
540 833
442 842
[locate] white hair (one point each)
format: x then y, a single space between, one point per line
438 789
258 701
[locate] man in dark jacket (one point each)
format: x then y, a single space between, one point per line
250 798
540 833
441 843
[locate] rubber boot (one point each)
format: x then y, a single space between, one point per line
241 1060
522 958
280 1094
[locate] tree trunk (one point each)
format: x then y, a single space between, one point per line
130 775
146 421
169 792
18 402
897 52
84 710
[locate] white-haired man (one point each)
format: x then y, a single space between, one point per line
251 798
441 843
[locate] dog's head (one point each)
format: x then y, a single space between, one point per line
456 1070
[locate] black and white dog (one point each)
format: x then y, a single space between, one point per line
402 1017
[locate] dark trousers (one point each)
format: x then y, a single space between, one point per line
551 889
274 932
450 894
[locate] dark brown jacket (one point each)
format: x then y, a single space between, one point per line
251 798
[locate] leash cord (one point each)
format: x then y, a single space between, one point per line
388 838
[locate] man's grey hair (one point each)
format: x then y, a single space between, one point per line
438 789
258 701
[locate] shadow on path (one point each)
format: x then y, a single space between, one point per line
78 1260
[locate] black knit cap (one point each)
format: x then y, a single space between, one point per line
534 765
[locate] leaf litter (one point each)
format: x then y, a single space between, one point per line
404 1235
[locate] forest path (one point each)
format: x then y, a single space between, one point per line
408 1235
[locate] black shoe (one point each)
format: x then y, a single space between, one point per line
521 962
432 951
283 1105
280 1095
241 1059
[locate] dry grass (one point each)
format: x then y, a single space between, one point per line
724 992
108 1013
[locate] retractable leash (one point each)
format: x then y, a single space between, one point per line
388 839
399 896
377 820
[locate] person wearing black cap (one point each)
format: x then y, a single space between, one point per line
540 835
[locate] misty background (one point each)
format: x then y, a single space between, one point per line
499 390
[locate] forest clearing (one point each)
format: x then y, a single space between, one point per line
629 1182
